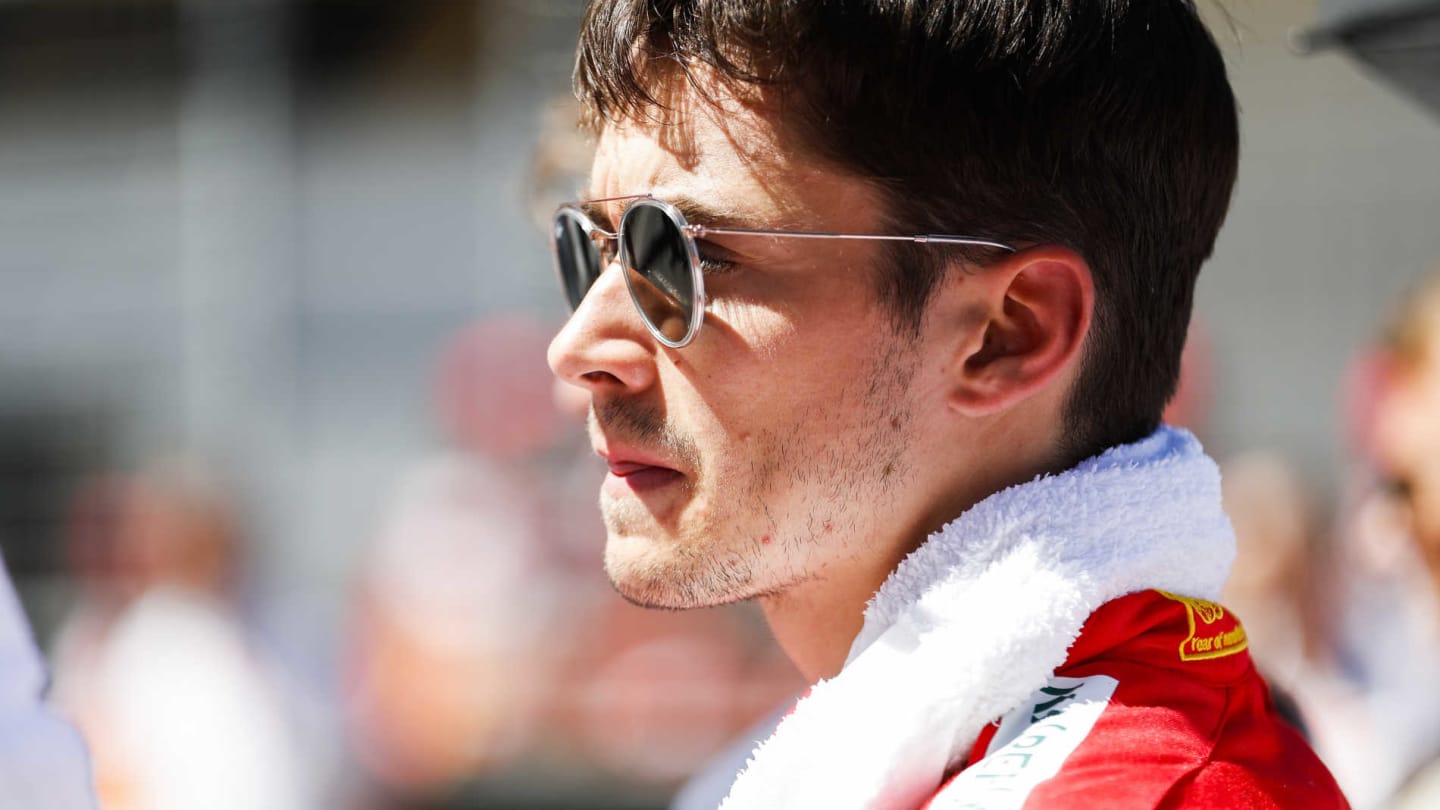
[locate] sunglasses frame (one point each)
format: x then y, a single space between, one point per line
610 245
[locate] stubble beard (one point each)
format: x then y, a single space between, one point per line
676 572
713 553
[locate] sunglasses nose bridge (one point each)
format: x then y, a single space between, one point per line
608 245
609 250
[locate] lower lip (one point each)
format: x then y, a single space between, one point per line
647 479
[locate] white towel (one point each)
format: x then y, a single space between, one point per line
980 616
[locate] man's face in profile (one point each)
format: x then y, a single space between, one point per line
766 452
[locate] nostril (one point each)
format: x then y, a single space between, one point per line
600 377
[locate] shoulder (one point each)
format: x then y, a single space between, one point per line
1222 783
1146 713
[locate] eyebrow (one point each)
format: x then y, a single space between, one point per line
700 213
597 214
695 211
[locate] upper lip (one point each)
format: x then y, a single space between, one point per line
623 461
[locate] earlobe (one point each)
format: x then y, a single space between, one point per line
1039 304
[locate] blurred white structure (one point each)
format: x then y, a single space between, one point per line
43 762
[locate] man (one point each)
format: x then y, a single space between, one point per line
898 294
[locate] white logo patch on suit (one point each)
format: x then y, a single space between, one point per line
1033 741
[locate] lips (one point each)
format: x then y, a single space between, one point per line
634 474
625 469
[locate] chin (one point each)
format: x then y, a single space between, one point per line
675 575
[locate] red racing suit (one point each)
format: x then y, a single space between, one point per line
1158 705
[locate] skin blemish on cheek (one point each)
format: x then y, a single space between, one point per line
765 540
829 527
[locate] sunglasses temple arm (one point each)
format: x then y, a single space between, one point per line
700 231
936 239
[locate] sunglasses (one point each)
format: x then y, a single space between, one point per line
656 249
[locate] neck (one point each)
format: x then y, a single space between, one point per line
815 621
978 619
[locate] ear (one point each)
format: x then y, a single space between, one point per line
1037 305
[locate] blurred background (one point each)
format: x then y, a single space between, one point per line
301 521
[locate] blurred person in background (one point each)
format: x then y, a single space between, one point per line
799 403
1276 565
1286 587
444 666
1270 584
181 708
1402 539
1408 420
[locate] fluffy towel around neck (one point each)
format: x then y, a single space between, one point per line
980 616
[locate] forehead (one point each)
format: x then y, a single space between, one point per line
731 152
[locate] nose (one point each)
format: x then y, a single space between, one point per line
604 347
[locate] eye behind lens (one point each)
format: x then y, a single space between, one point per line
660 268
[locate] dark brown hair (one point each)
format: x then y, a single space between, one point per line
1107 126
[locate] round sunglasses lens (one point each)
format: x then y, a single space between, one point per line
658 269
576 256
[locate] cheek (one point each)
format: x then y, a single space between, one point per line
822 426
811 310
749 332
